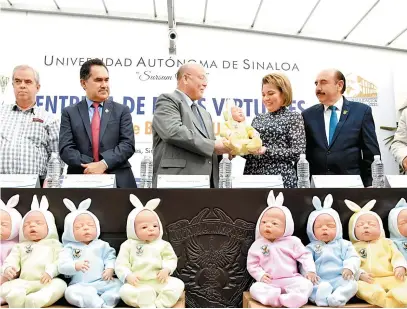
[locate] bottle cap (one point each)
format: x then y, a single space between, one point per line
377 157
302 156
225 155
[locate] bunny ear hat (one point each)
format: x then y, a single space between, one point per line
68 235
138 207
325 208
277 202
394 213
15 216
359 211
49 218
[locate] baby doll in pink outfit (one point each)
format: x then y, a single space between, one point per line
272 259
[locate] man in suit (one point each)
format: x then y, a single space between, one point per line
341 136
399 145
96 135
183 136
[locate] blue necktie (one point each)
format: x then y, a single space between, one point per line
332 122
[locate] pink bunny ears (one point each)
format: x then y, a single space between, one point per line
11 203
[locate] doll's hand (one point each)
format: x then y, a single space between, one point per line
266 278
399 273
163 274
10 273
366 278
82 266
347 274
311 276
45 278
107 275
132 279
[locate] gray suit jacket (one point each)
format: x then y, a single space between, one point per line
179 145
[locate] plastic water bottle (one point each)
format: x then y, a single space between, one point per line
53 171
377 173
146 172
303 172
225 172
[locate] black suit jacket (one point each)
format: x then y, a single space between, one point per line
353 145
116 144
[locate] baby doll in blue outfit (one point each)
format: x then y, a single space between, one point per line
398 226
87 260
335 258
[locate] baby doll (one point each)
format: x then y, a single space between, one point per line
335 258
10 220
87 260
239 137
398 226
272 259
383 267
35 257
145 261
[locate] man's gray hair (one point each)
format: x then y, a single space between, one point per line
25 67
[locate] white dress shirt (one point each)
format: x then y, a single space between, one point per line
327 115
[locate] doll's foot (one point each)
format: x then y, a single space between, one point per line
293 300
323 292
379 298
273 298
336 301
393 303
16 298
37 300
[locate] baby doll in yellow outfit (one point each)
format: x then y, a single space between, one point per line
383 268
36 258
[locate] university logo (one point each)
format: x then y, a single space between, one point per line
360 90
212 251
3 83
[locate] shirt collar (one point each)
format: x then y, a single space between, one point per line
89 102
338 105
186 98
17 108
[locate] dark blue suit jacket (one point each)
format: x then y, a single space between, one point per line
353 145
116 144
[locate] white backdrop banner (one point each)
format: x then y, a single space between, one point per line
141 71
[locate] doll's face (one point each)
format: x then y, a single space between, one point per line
325 228
146 226
35 226
272 224
237 114
5 229
84 228
367 228
401 222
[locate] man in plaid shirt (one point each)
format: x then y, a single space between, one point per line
28 133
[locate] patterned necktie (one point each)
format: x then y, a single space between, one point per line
197 114
95 125
333 122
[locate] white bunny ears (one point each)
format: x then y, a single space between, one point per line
356 208
84 205
11 203
401 203
150 205
273 201
44 205
328 201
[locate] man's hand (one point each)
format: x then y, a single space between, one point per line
347 274
132 279
163 274
45 278
94 168
399 273
266 278
107 275
366 278
82 266
260 151
404 163
10 273
220 148
311 276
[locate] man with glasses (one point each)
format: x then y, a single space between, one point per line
184 141
28 133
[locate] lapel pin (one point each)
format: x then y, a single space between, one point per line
106 111
345 112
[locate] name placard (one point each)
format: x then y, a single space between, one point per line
336 181
396 181
19 181
258 181
183 181
88 181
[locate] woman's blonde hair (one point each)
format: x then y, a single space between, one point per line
282 83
